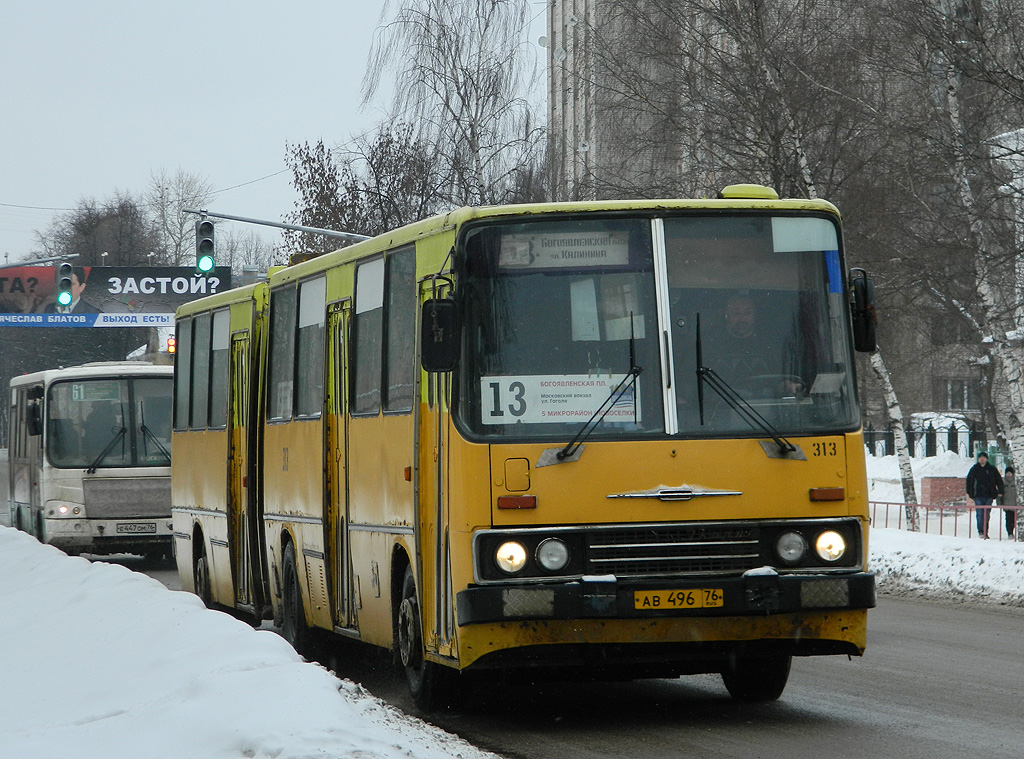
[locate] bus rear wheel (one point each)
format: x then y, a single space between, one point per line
293 624
201 577
757 678
430 684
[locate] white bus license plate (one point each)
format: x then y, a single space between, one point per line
695 598
136 528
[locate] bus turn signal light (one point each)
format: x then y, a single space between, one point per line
517 501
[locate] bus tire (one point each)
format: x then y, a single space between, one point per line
757 678
293 623
201 578
430 684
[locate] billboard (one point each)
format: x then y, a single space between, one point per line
104 296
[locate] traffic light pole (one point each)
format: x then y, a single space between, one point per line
35 261
293 227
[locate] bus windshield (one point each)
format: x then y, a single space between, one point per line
556 313
109 422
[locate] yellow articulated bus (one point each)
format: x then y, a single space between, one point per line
607 439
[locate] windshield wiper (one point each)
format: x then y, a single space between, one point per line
738 403
571 448
103 454
147 434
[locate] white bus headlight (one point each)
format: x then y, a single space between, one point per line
830 546
510 557
552 554
791 547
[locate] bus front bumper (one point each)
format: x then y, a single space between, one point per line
610 598
104 536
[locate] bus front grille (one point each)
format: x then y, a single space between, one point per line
660 551
125 497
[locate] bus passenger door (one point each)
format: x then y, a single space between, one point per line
435 548
336 464
240 521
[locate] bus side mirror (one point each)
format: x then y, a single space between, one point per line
34 419
863 311
439 335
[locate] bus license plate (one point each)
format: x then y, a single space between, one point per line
695 598
136 528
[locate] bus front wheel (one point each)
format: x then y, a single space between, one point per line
761 678
429 682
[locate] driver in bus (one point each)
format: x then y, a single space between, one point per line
750 359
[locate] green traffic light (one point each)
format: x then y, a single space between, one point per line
64 274
205 264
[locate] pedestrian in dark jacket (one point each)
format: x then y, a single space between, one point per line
1009 499
984 485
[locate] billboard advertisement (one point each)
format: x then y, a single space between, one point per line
104 296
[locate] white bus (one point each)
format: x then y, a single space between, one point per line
90 457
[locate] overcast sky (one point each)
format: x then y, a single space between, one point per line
95 96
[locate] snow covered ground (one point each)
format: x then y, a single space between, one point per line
103 662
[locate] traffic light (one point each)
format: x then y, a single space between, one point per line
204 247
64 274
172 344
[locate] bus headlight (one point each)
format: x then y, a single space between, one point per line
552 554
830 546
510 557
791 547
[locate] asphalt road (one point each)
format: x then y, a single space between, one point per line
938 681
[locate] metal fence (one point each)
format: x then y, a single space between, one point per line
952 520
960 438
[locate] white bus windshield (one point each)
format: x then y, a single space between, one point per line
109 422
556 313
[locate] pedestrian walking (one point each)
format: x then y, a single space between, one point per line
1010 499
984 485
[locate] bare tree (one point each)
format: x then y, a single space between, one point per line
166 198
960 62
116 233
463 77
376 183
244 249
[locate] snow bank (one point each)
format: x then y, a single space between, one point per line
100 661
950 568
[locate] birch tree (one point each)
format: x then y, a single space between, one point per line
463 76
961 57
896 423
